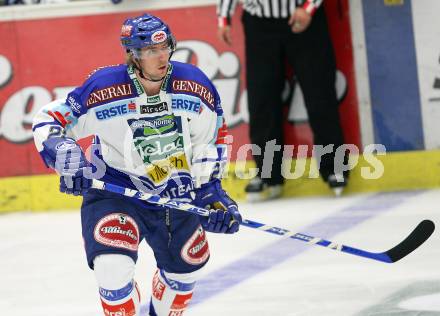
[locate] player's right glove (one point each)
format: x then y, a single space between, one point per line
224 216
66 157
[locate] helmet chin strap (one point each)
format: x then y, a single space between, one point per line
136 65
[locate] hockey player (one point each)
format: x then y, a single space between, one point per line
157 126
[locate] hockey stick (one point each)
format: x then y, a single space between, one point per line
416 238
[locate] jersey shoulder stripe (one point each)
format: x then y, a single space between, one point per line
104 85
190 80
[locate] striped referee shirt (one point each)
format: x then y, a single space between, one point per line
263 8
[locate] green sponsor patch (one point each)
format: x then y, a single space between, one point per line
152 149
160 126
153 99
138 86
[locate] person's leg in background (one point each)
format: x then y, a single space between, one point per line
312 56
265 82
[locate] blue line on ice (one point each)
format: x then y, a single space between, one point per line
271 255
267 257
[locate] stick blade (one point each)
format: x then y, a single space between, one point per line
417 237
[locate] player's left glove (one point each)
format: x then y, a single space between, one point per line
224 216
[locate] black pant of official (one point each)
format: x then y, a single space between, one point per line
269 44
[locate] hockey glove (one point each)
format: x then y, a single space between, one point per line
66 157
224 216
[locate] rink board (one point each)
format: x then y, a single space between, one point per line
25 90
402 171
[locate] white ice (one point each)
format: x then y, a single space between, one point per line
43 269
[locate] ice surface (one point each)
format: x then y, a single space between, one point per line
43 269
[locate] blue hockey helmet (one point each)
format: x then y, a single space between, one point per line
145 30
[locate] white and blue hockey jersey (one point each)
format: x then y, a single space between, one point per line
165 143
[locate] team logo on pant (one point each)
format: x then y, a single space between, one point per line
117 230
196 249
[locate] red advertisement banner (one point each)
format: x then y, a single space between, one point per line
43 59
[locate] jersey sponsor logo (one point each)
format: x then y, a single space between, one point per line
194 87
153 99
158 36
74 105
138 86
158 286
131 107
160 145
180 190
152 126
109 93
196 249
154 108
162 169
117 230
164 84
156 138
115 109
130 70
182 102
157 148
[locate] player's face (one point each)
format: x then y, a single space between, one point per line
154 60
